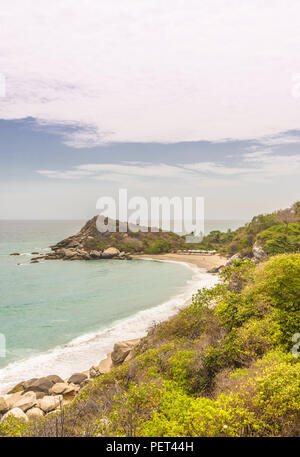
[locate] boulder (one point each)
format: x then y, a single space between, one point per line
13 399
258 252
77 378
122 349
68 252
111 252
94 372
39 395
34 413
49 403
96 254
28 383
105 366
237 256
39 385
16 412
3 406
26 401
54 378
64 388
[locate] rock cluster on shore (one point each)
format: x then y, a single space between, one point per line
38 397
81 253
258 254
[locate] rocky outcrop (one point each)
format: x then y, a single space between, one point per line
91 243
122 350
83 254
258 252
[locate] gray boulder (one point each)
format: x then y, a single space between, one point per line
258 252
40 385
77 378
54 378
237 256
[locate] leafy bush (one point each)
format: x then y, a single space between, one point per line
159 247
276 240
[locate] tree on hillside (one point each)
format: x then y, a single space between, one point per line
287 216
296 208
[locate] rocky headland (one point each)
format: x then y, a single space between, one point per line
119 242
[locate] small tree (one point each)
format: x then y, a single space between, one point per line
287 216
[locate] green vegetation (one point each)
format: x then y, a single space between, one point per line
277 233
159 247
130 241
222 367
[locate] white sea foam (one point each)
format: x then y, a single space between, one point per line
89 349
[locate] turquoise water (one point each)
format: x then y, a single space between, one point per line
62 317
47 305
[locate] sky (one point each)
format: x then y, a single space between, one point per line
172 98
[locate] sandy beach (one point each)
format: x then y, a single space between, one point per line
202 261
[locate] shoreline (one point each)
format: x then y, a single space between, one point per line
163 311
201 261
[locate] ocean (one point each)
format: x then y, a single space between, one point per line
63 317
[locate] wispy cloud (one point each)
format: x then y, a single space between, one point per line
140 71
265 165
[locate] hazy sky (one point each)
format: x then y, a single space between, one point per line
162 97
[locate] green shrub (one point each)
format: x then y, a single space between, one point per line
159 247
276 240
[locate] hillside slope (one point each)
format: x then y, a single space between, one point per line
277 233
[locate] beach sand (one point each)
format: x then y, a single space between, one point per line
202 261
